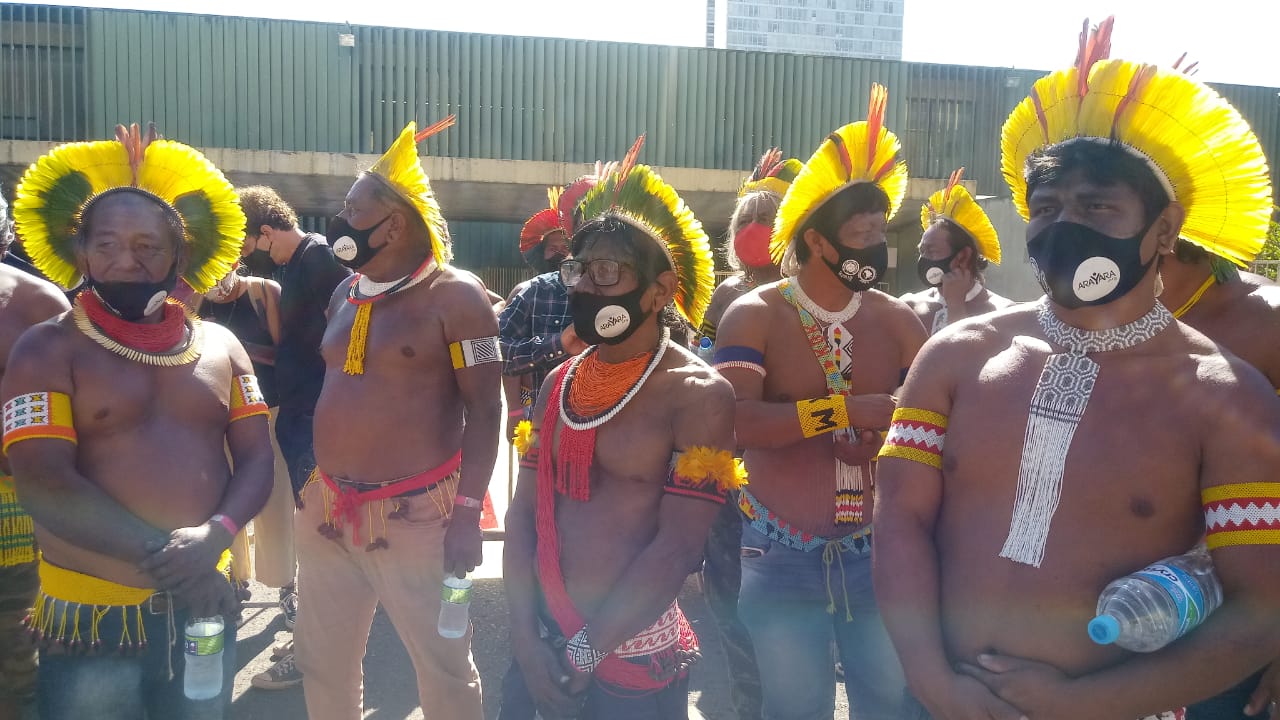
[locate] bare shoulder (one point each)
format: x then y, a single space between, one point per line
692 381
982 335
746 321
36 299
45 347
922 303
460 285
1000 302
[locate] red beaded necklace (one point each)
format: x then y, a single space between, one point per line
147 337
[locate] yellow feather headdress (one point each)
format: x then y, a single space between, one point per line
401 169
956 204
861 152
56 189
1195 142
640 197
771 173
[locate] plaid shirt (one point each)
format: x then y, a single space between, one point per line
529 328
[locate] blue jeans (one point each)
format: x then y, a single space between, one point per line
601 701
783 603
111 685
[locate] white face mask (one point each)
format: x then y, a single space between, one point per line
224 289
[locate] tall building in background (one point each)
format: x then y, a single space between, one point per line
847 28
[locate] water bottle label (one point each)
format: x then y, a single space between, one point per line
204 645
1187 596
457 596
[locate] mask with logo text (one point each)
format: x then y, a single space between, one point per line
860 268
351 246
606 319
751 245
1078 266
931 272
134 301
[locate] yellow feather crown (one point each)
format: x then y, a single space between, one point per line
1195 142
640 196
861 152
401 169
956 204
58 186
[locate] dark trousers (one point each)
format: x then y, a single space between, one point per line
1229 705
721 580
294 435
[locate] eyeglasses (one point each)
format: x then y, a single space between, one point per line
603 273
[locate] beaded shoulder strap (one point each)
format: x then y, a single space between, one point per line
836 382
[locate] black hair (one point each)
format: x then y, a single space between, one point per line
177 232
1102 163
646 257
864 197
958 239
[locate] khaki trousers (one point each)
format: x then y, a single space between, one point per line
340 585
265 553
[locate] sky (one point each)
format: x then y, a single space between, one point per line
1234 40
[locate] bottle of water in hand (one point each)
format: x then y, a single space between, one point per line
202 676
706 349
1151 608
455 603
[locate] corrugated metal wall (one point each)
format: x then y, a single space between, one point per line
283 85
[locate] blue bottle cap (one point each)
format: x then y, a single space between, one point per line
704 343
1104 629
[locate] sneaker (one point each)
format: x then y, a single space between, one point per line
282 649
289 606
284 674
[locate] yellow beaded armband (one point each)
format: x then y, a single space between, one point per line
822 415
1242 514
246 398
706 474
38 415
916 435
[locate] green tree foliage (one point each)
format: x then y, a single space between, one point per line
1270 253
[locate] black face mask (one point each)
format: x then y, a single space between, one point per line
351 246
860 269
931 272
535 259
606 319
258 263
1078 266
133 301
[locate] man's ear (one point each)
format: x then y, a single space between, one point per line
664 290
814 240
963 259
1167 226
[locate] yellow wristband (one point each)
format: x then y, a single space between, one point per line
822 415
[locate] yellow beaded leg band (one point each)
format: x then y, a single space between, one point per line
822 415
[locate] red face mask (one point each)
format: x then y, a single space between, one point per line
751 244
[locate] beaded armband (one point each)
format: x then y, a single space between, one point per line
705 474
916 435
477 351
822 415
246 398
581 656
38 415
1242 514
739 356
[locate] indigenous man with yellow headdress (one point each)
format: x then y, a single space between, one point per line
813 360
958 243
612 510
25 299
115 419
411 350
998 529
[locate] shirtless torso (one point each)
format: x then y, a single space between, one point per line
928 303
1243 316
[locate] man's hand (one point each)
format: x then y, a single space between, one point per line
545 677
955 285
870 411
968 699
463 544
1262 703
570 341
1040 690
207 594
189 551
861 452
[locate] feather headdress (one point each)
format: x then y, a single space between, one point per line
61 184
571 196
401 169
543 223
1196 144
861 152
640 197
772 173
956 204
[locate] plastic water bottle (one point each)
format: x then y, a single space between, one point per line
455 604
705 350
202 678
1151 608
